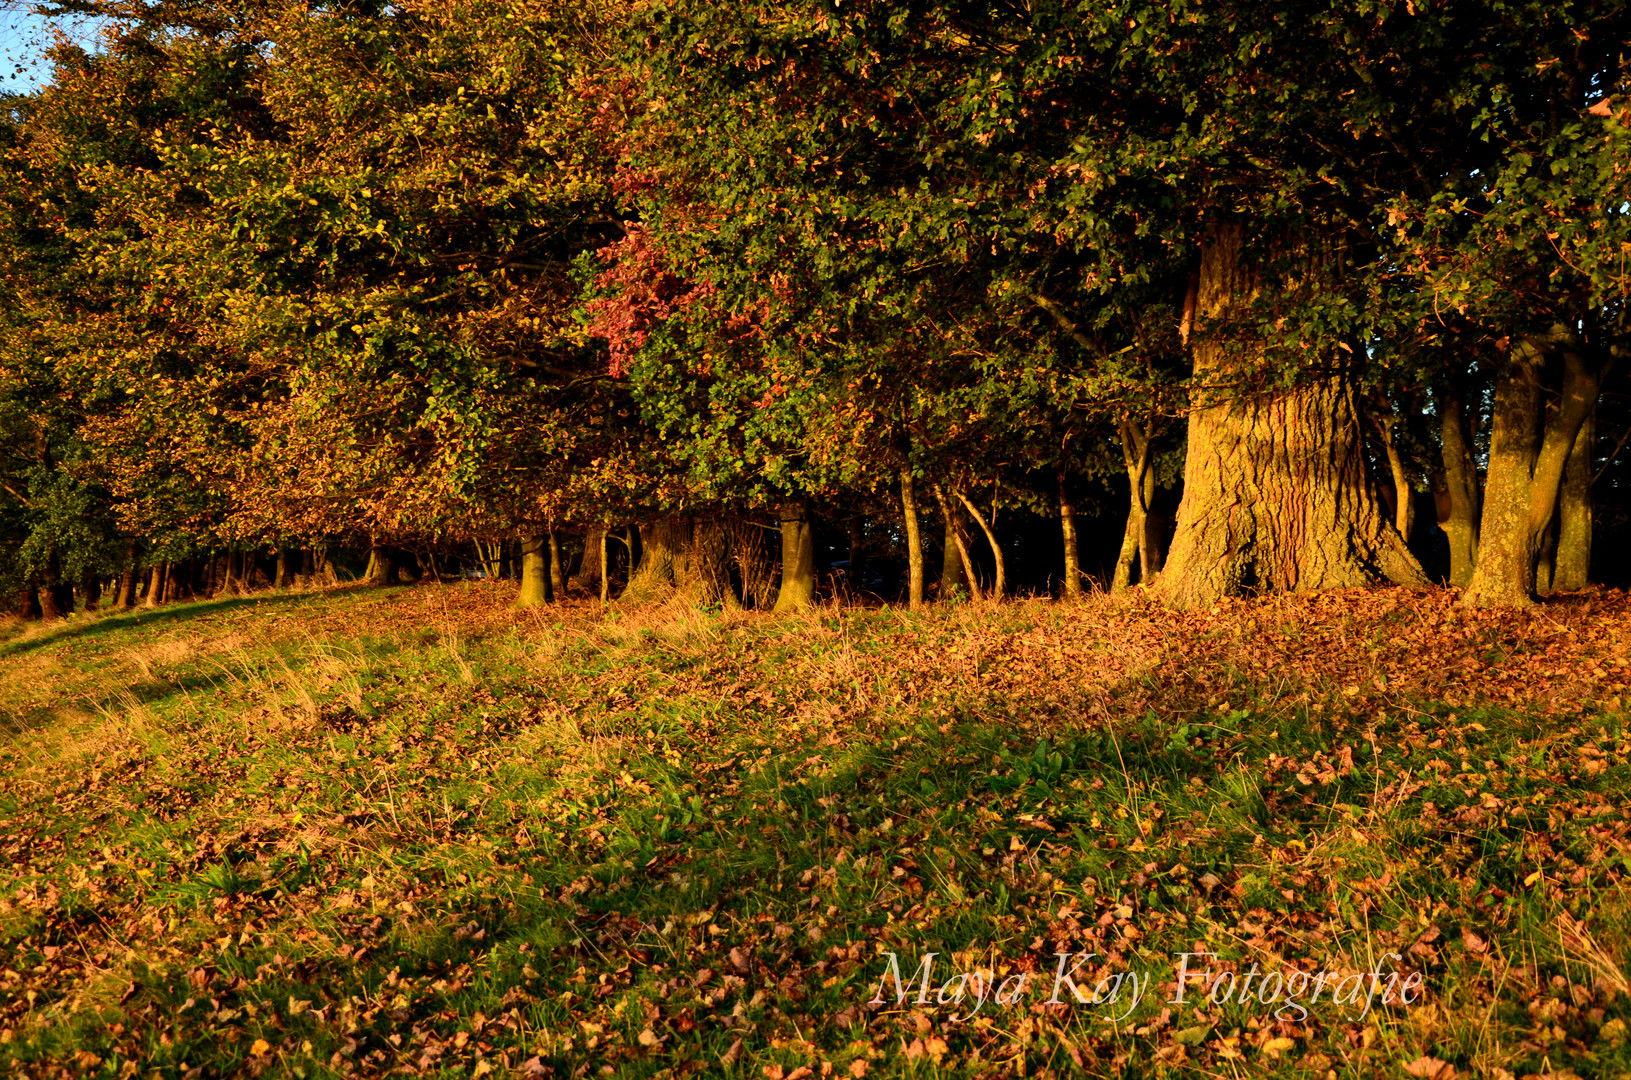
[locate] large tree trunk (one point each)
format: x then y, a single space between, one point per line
1529 449
1460 521
155 586
534 584
382 569
999 588
1067 532
959 543
1572 567
90 587
797 590
588 573
914 541
662 543
1276 497
127 579
28 601
282 578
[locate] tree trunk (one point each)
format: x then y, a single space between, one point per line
280 579
662 545
999 588
1276 497
1404 500
28 602
1067 530
127 579
914 541
557 578
155 586
952 573
1460 521
857 556
1529 449
90 587
589 567
534 573
605 578
1135 459
1572 567
307 566
381 565
797 590
959 543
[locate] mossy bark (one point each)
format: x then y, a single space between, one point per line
1276 496
914 541
1529 450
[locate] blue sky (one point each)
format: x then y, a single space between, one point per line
23 37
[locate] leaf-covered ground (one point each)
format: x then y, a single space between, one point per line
416 832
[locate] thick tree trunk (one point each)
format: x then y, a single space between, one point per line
381 565
90 587
1529 449
155 586
127 579
588 574
914 541
1462 501
280 579
557 577
662 544
797 589
307 566
1572 567
1276 497
999 588
28 602
534 573
1067 531
959 543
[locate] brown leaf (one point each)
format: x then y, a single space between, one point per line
1431 1068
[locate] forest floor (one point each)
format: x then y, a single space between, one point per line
415 831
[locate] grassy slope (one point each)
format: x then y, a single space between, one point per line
414 831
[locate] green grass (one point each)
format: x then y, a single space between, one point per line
359 833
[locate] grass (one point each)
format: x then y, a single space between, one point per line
414 831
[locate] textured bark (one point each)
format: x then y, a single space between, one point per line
1529 449
28 602
797 590
654 578
914 541
1067 532
155 586
1572 566
381 565
587 576
282 579
533 571
605 578
1276 496
951 562
959 544
1404 499
702 569
1462 509
999 588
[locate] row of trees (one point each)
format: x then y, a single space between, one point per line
1317 294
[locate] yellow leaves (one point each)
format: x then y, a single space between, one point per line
1276 1047
260 1048
1430 1068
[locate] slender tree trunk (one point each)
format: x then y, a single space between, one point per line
959 543
534 573
999 588
1404 501
914 541
557 577
797 590
857 556
307 566
127 579
605 575
1067 530
155 586
1572 568
1529 450
1460 522
1276 497
1135 459
280 580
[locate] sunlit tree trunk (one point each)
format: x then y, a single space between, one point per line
959 543
533 573
155 586
1572 566
1067 532
605 575
1529 449
127 579
999 588
797 590
281 579
1460 523
1135 458
914 541
1276 497
381 565
1404 499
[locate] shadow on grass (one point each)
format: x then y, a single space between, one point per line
177 613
